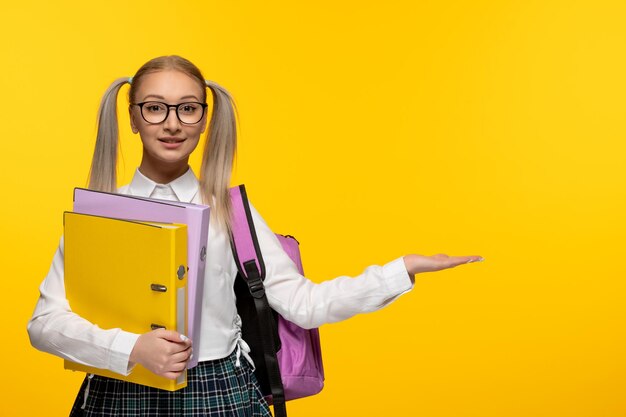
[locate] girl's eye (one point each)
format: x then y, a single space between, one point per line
154 107
187 108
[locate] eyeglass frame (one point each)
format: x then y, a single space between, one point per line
169 106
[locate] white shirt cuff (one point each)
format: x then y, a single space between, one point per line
121 348
397 279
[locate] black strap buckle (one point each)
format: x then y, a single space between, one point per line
257 289
255 281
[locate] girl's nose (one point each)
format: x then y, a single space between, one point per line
171 123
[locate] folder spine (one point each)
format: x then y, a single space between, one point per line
181 271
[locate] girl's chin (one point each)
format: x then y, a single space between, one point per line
166 159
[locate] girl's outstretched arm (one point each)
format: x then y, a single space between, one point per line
310 304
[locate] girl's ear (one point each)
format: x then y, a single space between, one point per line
133 126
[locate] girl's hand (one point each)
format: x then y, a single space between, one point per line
163 352
416 264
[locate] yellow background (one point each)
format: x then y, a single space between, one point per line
368 130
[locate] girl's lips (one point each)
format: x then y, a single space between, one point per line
171 140
171 143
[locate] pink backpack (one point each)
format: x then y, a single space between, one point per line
287 358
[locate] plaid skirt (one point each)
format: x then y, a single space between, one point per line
217 388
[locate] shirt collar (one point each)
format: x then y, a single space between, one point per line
185 187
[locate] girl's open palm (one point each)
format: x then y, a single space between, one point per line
416 264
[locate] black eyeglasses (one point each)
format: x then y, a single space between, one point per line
155 112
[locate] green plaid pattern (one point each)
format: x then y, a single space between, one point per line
216 388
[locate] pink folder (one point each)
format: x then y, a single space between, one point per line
195 216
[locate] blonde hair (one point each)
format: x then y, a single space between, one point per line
220 144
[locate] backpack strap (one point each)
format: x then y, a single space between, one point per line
249 260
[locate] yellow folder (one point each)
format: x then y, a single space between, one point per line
130 275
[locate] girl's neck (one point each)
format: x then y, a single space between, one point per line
164 173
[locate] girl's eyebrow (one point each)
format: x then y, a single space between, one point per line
163 98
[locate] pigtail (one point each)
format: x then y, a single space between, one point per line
219 155
103 175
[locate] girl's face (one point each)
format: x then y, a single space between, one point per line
166 145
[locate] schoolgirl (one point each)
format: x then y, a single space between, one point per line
167 105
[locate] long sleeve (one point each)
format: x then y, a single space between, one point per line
55 329
309 304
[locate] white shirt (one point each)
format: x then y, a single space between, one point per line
54 328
